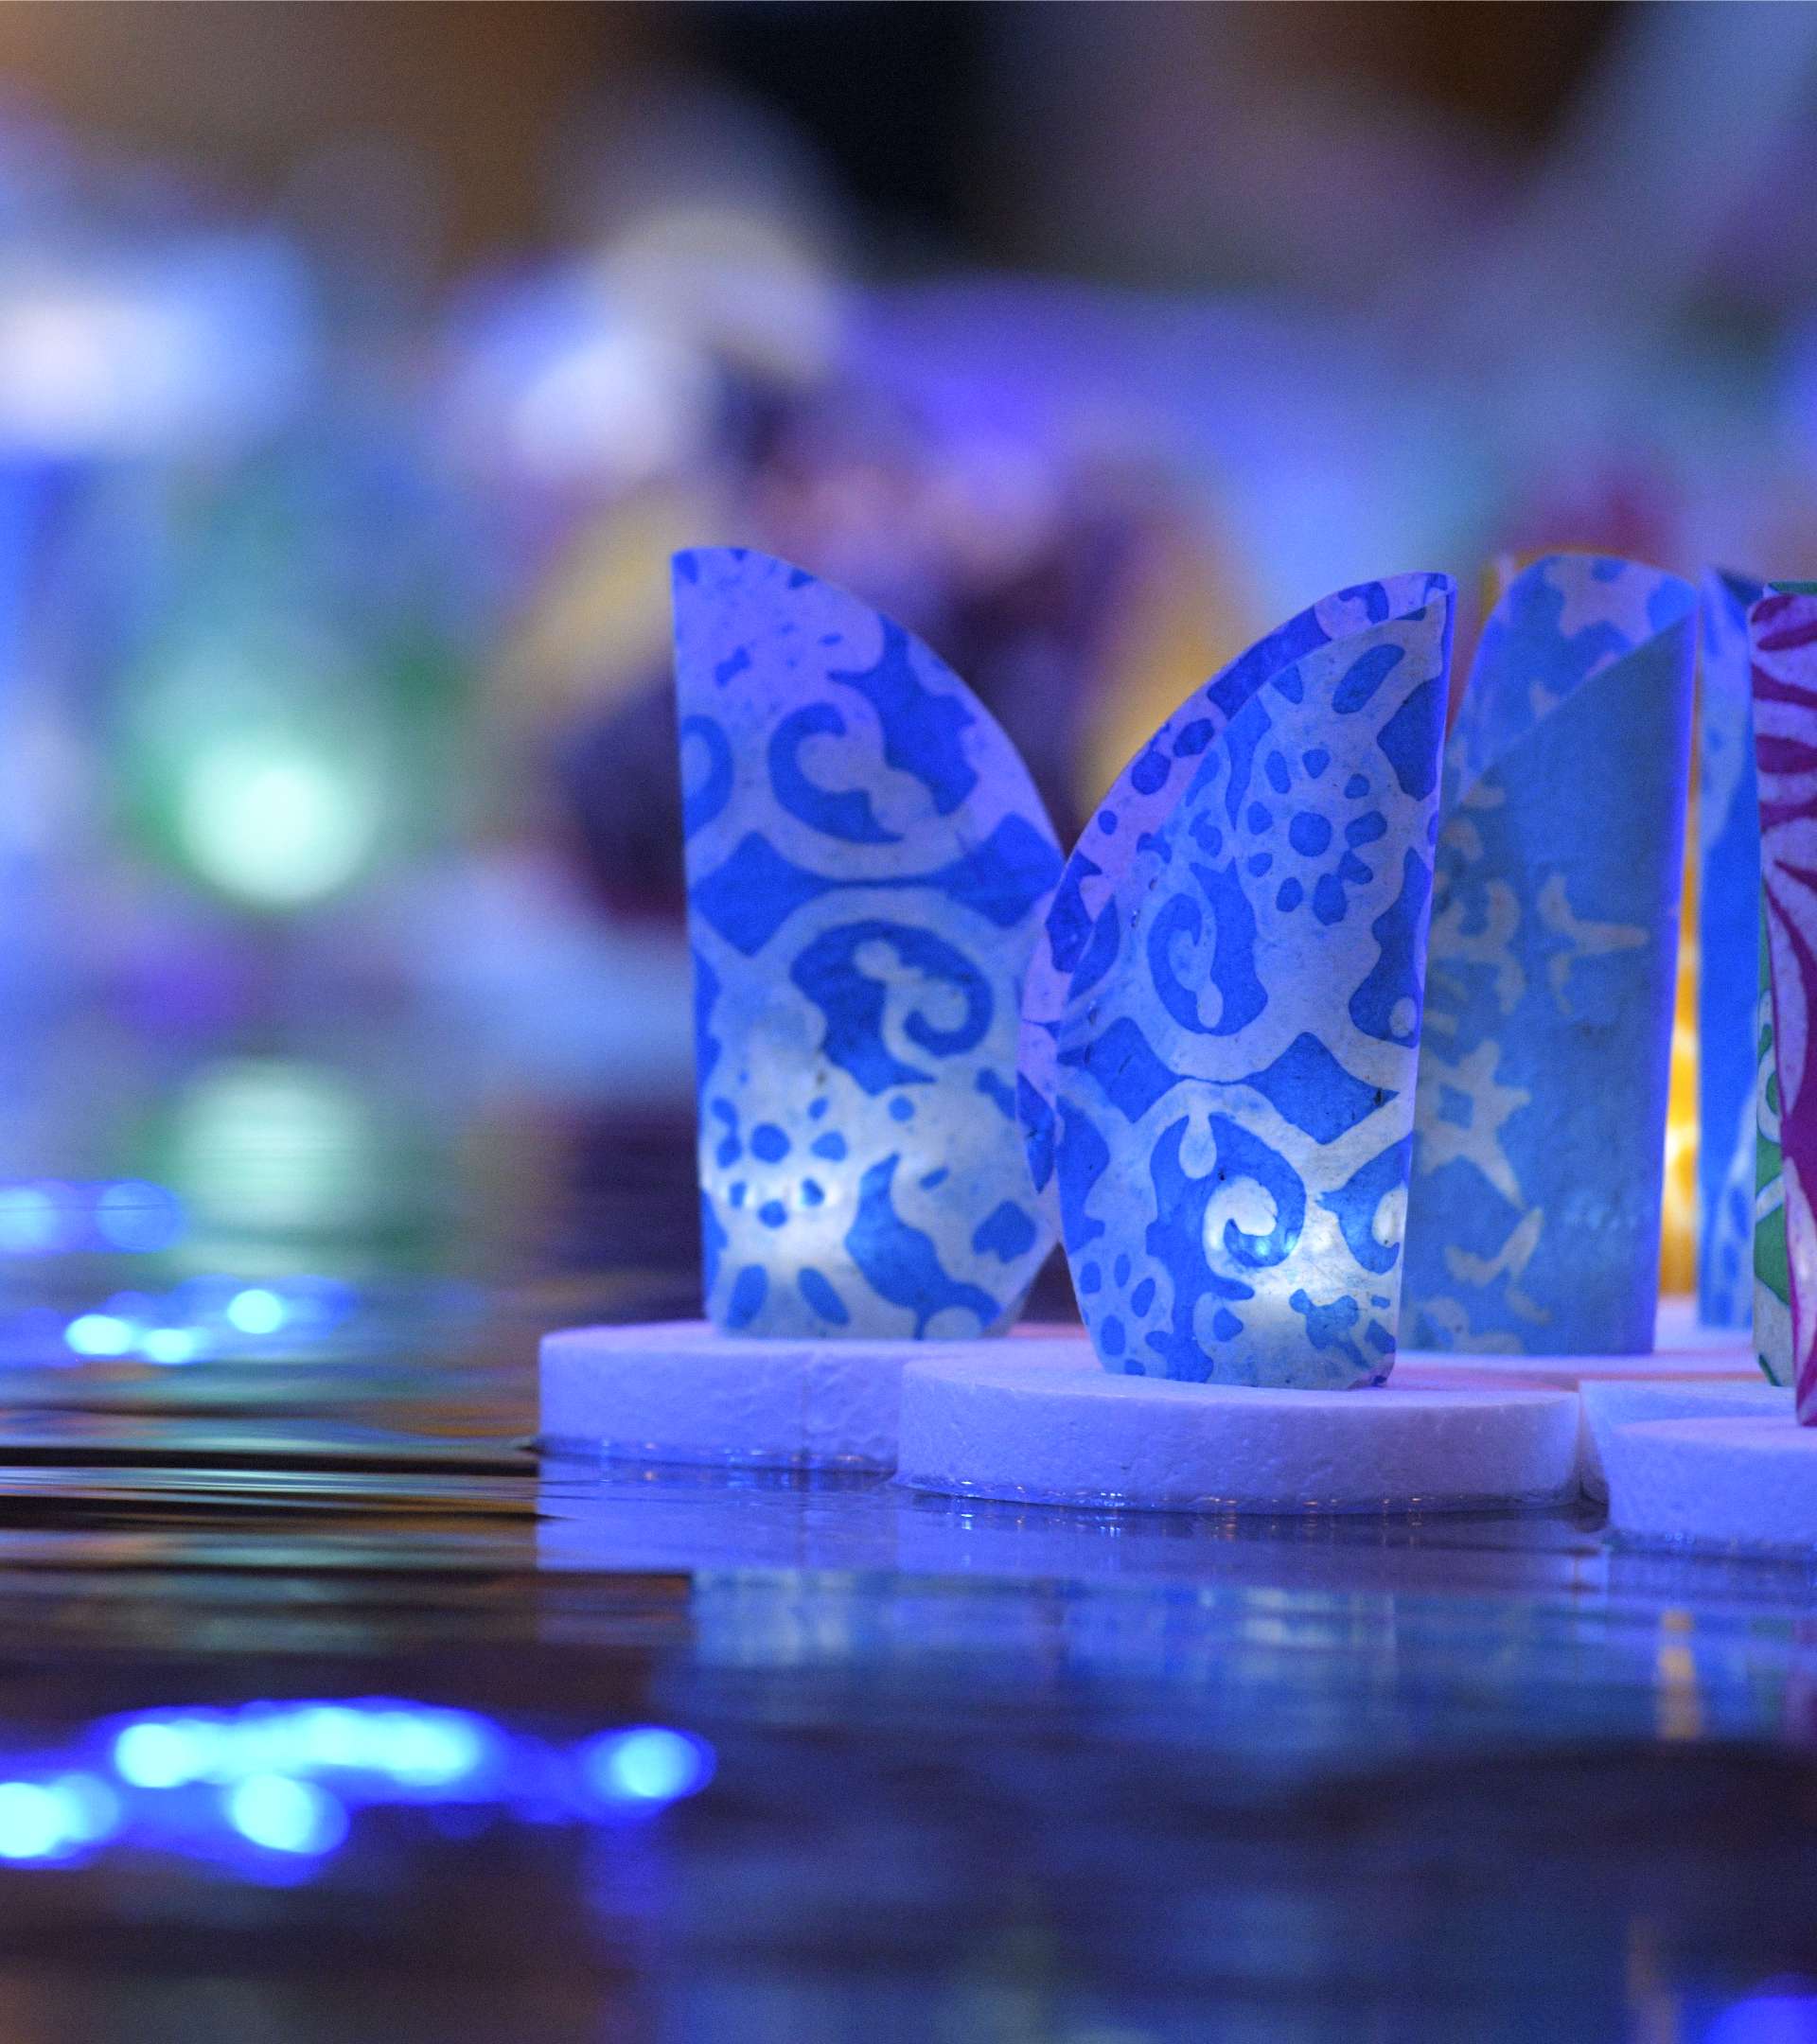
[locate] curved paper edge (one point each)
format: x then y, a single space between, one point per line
1147 789
1569 625
945 738
1554 632
1305 828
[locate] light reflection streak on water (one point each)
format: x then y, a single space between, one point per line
207 1317
274 1788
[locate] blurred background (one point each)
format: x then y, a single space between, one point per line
361 366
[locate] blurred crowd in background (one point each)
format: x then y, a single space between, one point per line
360 366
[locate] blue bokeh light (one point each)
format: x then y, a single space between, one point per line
257 1309
99 1334
261 1783
90 1809
54 1217
207 1317
285 1815
34 1821
138 1218
172 1345
429 1748
649 1765
30 1223
1779 2014
157 1755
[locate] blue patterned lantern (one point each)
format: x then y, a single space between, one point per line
1221 1025
868 868
1534 1210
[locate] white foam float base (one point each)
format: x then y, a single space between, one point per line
1048 1426
1690 1371
684 1391
1566 1372
1742 1482
1610 1402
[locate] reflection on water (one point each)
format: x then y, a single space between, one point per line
980 1773
52 1217
270 1153
274 1788
301 1210
207 1317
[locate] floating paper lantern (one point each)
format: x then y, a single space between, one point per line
868 867
1771 1294
1222 1028
1782 634
1534 1214
1729 964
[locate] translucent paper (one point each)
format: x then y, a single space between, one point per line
1782 633
868 867
1534 1215
1222 1028
1772 1277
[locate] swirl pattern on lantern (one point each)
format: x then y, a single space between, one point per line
1221 1032
868 868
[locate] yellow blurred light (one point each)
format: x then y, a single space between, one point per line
1678 1211
598 626
1183 619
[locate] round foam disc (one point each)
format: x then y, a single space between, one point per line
684 1391
1748 1483
1047 1425
1693 1369
1615 1402
1566 1372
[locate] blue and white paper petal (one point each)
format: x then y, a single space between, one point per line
1242 935
1728 956
1081 925
868 867
1534 1211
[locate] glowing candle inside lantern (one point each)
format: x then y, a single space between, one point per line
1221 1030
